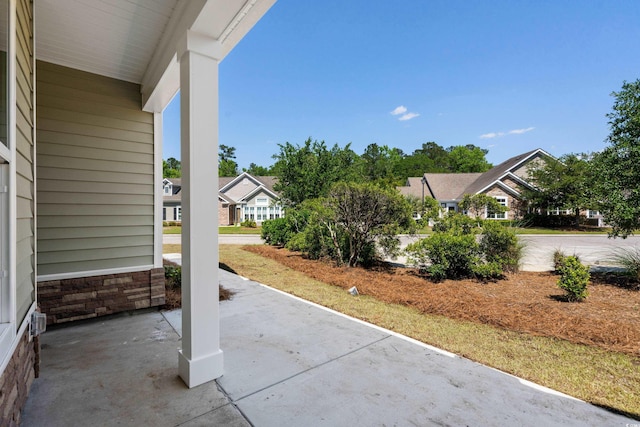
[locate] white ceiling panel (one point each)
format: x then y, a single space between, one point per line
115 38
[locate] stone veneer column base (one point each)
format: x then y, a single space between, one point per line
67 300
17 378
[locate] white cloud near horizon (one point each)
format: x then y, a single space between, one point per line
511 132
491 135
408 116
521 131
401 109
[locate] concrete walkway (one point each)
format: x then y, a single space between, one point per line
287 363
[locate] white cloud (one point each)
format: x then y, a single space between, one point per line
408 116
521 131
491 135
511 132
399 110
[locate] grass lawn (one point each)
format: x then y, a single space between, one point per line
221 230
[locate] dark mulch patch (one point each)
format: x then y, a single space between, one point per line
528 302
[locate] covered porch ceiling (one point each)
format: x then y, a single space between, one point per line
137 40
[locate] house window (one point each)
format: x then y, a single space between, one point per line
557 211
498 215
274 212
167 189
249 213
593 214
262 200
178 213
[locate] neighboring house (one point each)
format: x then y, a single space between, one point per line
171 199
82 90
504 182
240 198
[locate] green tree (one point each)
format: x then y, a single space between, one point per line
308 171
256 170
380 164
369 214
171 168
227 166
617 167
468 158
430 158
563 183
352 221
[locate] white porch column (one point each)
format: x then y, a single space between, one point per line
200 359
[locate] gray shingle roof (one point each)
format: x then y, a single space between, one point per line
413 188
449 186
453 186
496 172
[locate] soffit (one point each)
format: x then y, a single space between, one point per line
137 40
114 38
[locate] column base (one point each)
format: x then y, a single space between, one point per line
202 370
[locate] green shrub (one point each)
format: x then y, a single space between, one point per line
629 259
456 223
297 243
445 255
249 223
500 245
487 271
173 275
559 258
277 232
172 223
574 278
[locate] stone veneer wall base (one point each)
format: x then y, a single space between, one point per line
17 378
67 300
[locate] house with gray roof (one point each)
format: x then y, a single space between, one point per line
504 182
240 198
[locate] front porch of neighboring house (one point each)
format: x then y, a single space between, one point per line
82 90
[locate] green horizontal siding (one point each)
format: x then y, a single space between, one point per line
25 250
95 173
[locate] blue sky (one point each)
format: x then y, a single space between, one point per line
508 76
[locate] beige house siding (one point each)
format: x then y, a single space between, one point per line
241 189
511 183
95 173
25 232
523 170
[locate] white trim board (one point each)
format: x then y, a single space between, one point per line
92 273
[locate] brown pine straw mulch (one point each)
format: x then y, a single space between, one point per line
527 302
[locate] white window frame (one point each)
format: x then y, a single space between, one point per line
167 189
502 200
262 201
177 213
8 214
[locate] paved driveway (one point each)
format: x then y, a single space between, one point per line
595 250
223 239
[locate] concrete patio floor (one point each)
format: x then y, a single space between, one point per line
287 363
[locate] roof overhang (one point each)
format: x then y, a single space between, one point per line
257 190
137 40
